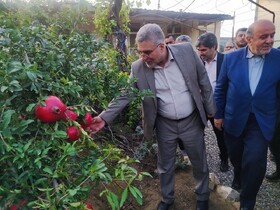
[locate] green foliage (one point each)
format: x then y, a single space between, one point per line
105 20
139 3
40 58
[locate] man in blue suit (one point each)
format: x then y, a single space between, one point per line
274 145
247 107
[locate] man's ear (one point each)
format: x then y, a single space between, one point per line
162 46
248 39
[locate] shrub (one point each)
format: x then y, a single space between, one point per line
37 163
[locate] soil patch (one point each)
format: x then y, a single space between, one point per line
150 188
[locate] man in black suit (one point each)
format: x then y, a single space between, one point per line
206 46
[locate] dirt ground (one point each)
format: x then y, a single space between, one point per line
184 191
149 186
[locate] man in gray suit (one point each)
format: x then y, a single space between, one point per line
182 94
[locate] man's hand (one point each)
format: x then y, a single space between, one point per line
96 125
218 123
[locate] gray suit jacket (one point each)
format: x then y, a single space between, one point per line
194 74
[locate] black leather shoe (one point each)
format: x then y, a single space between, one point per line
163 206
202 205
224 166
274 176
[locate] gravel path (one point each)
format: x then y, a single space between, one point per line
269 195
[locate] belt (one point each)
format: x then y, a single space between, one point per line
181 119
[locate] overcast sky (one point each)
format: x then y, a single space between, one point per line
243 9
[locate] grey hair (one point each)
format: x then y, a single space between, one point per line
183 38
150 32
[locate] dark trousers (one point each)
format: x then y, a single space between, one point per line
248 155
220 141
274 147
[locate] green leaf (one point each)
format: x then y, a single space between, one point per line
146 174
45 189
14 67
30 107
113 200
124 196
40 180
60 134
26 146
15 86
31 75
48 170
76 204
132 191
140 177
38 162
7 119
3 88
45 151
25 122
136 194
73 192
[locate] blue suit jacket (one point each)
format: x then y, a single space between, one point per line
233 95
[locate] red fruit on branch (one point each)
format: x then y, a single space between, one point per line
73 133
17 206
89 206
87 121
52 111
69 115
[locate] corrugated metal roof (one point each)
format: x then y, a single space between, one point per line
204 19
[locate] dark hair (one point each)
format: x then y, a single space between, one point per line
169 35
240 29
208 40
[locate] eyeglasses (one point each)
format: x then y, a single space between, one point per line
147 52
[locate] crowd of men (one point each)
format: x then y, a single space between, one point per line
236 91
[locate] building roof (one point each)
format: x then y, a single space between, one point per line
204 19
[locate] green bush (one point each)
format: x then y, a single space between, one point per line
37 163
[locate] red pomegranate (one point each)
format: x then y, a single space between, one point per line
87 121
69 115
52 111
18 206
89 206
73 133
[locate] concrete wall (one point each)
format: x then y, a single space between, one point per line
274 6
